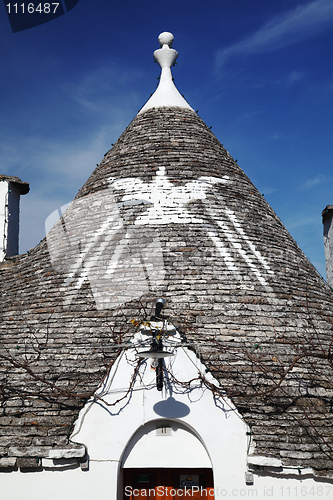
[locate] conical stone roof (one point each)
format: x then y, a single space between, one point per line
169 213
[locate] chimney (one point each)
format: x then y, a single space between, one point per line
328 242
11 189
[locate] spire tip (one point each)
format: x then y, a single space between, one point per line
166 38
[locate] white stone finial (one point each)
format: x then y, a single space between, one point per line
166 94
166 38
166 57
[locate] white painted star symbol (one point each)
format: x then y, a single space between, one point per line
167 201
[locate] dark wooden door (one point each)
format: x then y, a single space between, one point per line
168 484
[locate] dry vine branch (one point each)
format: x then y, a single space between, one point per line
282 373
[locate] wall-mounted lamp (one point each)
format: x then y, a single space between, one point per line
156 349
158 307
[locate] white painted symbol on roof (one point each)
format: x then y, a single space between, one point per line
122 262
168 203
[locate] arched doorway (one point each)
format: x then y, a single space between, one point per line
166 484
166 460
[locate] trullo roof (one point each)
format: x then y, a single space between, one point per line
168 213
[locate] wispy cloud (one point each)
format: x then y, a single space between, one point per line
55 171
57 168
294 77
298 221
43 157
88 115
266 191
293 26
89 112
314 181
276 136
109 83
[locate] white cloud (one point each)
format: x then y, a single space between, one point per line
40 157
295 76
65 161
298 221
293 26
62 168
276 136
91 113
266 191
314 181
55 171
105 85
35 208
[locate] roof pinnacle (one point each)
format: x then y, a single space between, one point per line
166 94
166 57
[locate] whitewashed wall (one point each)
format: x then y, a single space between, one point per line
99 484
206 432
3 227
9 219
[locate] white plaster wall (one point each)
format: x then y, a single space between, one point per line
60 484
99 483
9 230
120 432
108 429
3 230
181 446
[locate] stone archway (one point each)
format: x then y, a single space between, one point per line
166 459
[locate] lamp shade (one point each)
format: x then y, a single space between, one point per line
155 354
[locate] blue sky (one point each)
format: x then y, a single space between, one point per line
260 73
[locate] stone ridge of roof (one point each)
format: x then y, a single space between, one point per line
22 187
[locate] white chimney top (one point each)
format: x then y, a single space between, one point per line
11 189
166 94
